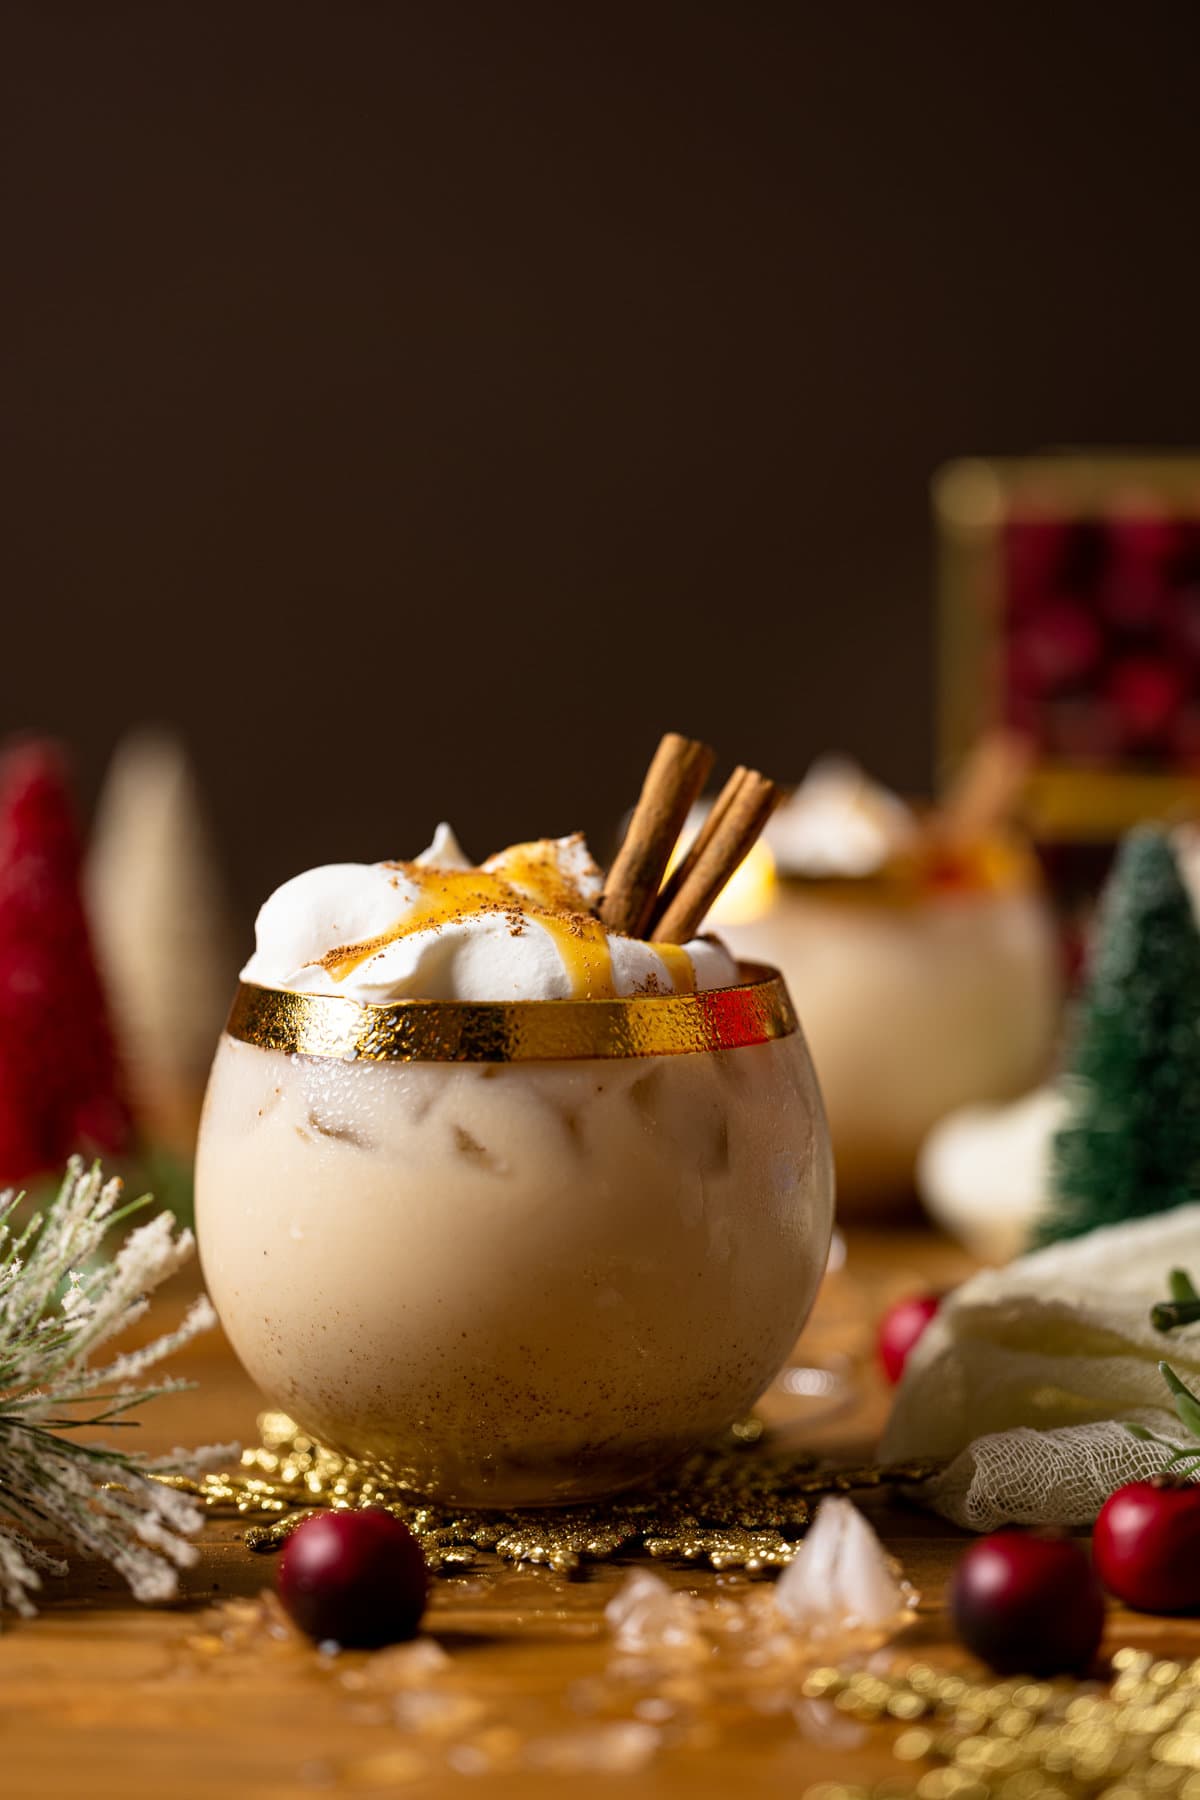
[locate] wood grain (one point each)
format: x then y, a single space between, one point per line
103 1698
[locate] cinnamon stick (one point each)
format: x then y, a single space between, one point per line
731 840
986 791
674 782
683 869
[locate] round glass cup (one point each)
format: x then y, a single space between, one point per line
521 1254
917 999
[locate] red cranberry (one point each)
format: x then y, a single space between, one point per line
357 1578
1146 1546
900 1328
1028 1603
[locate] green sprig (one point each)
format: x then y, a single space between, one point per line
1183 1308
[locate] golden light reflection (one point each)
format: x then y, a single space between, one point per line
750 893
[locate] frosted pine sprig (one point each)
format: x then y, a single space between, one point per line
59 1304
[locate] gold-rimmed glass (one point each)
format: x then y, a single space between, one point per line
515 1254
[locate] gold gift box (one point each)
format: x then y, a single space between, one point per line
975 500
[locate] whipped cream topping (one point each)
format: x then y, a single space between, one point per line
520 926
839 823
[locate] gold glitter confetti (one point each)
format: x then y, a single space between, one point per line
1031 1740
741 1505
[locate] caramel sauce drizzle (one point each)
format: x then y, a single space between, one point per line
531 888
679 967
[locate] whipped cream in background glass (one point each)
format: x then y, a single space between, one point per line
521 926
839 822
507 1281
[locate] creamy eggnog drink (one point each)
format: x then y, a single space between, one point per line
505 1198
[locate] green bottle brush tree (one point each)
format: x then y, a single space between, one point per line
1131 1144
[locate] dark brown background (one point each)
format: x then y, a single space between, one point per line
421 405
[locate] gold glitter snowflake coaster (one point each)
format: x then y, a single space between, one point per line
739 1505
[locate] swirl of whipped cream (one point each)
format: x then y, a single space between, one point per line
521 926
840 823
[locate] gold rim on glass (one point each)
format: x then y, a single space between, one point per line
756 1011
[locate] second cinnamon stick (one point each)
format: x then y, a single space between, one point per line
731 840
683 870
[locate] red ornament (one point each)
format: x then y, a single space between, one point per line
1146 1545
900 1328
1028 1603
356 1578
60 1087
1146 693
1060 644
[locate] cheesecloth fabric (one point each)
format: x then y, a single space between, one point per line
1028 1374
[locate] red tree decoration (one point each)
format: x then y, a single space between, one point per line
60 1086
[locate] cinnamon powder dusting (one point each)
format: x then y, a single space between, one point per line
532 886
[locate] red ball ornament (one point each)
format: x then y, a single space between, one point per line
356 1578
1146 1545
1061 644
1146 693
1028 1603
900 1328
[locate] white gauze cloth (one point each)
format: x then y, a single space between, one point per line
1027 1375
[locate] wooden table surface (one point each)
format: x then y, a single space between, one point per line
101 1697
